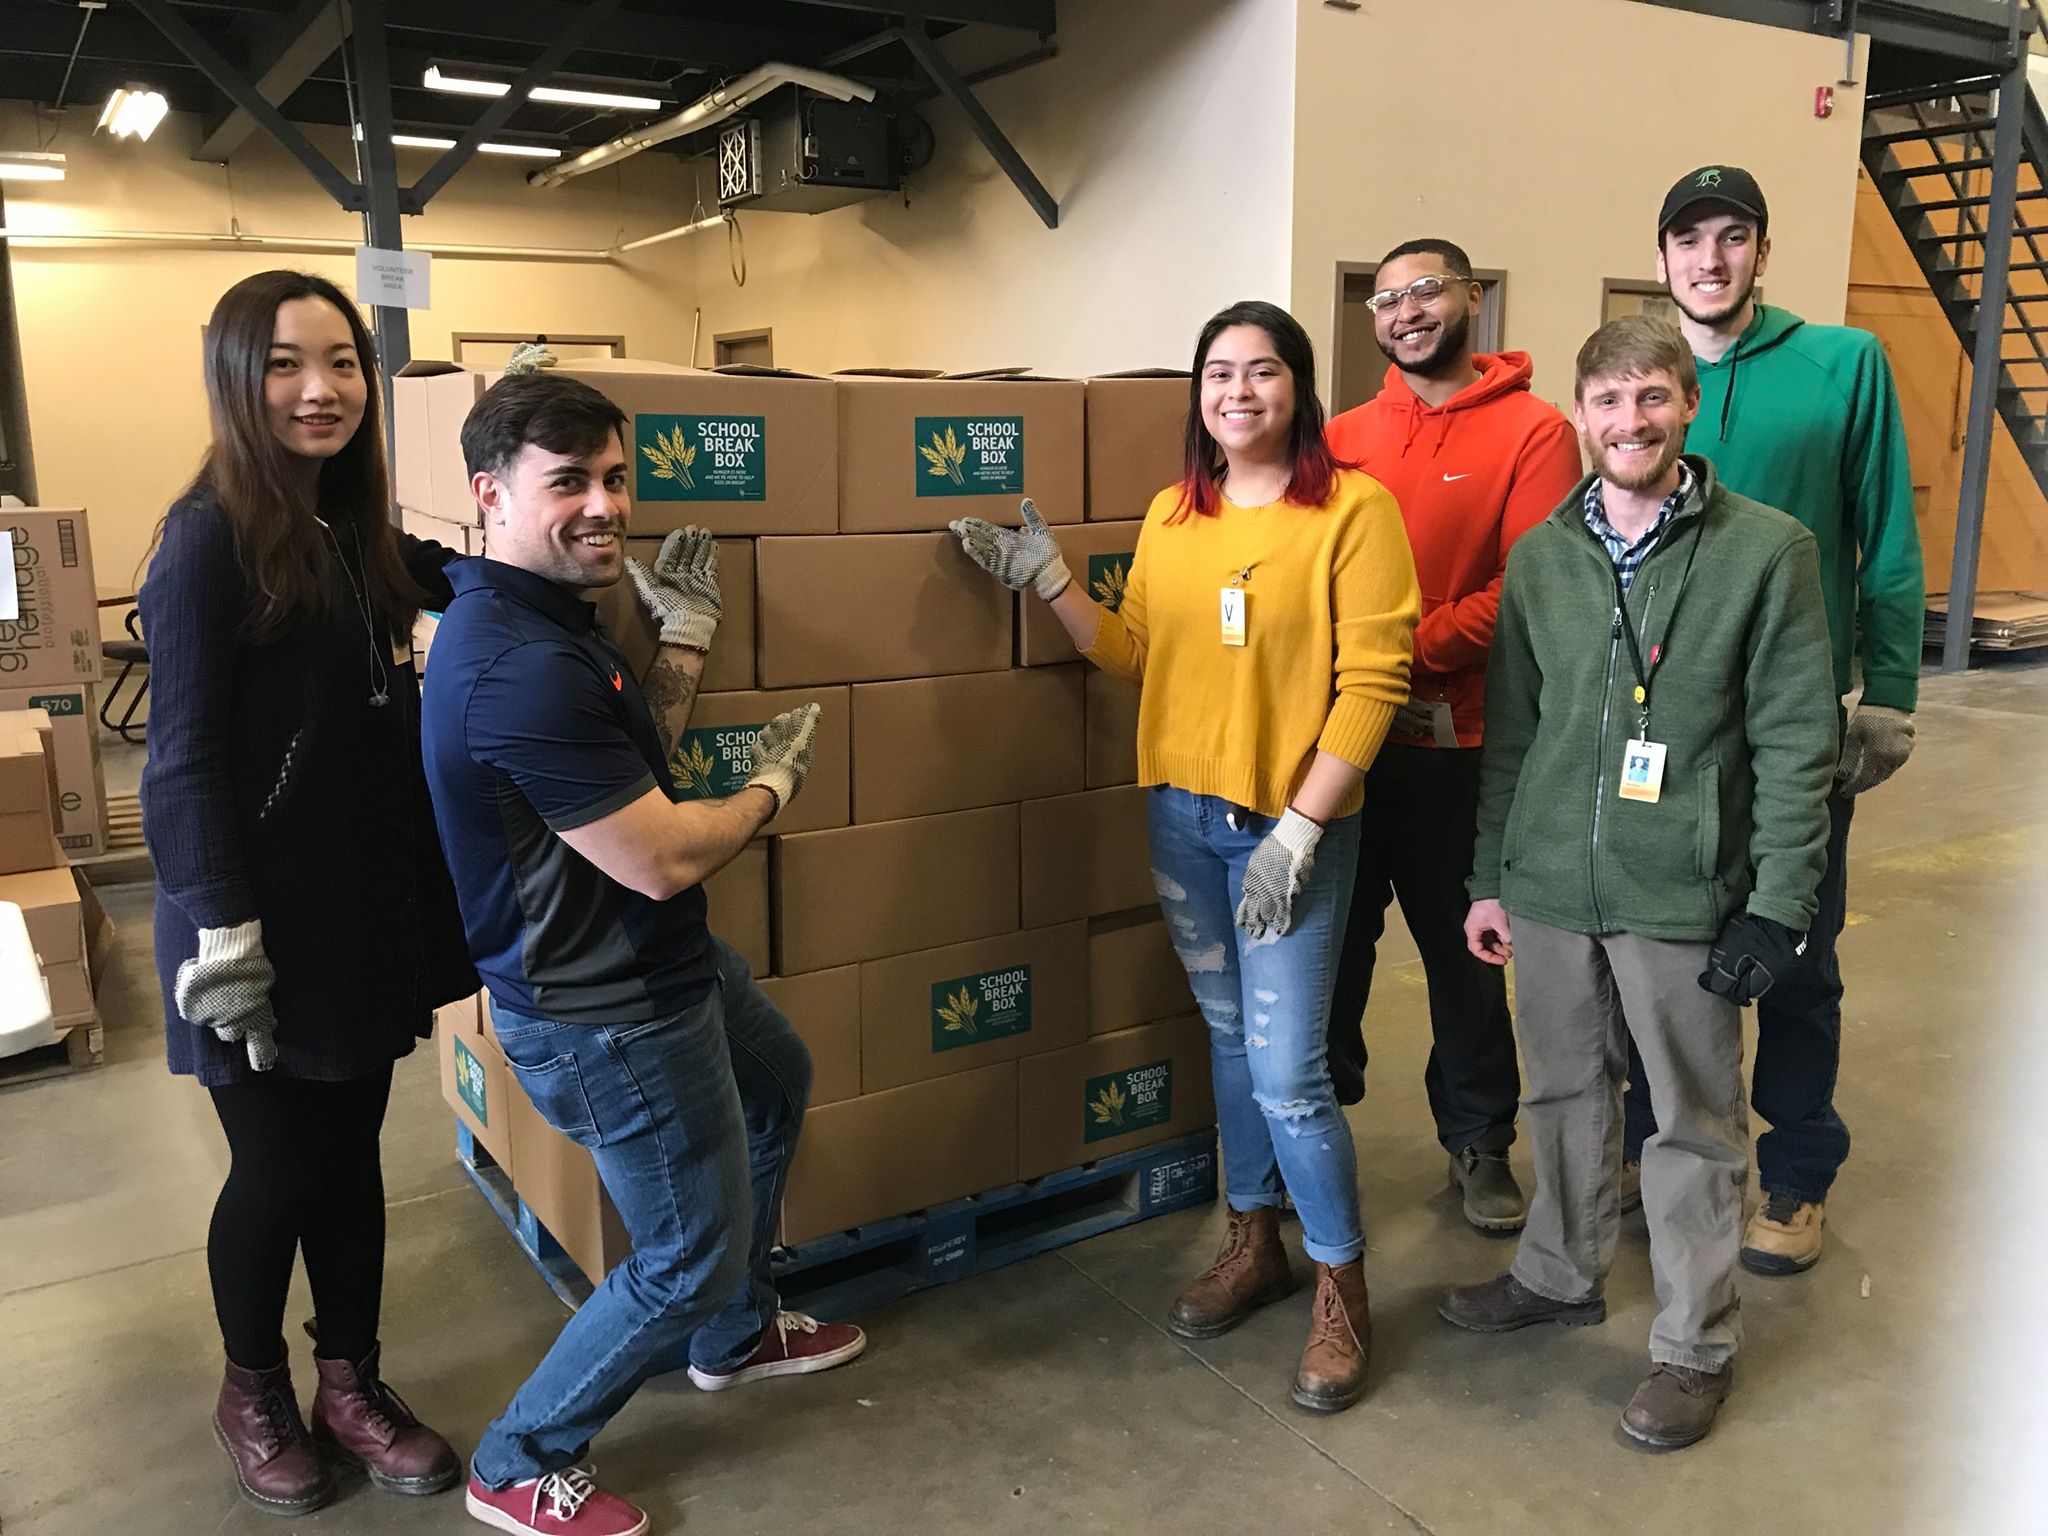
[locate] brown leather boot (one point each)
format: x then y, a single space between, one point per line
1250 1271
1332 1374
366 1421
276 1463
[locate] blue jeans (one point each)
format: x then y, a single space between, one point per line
1267 1003
692 1120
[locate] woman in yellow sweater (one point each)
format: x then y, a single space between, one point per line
1268 617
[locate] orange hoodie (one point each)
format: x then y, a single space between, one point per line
1471 476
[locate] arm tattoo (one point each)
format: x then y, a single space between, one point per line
671 695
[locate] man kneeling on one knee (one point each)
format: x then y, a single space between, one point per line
1660 740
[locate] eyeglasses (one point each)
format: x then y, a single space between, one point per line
1424 291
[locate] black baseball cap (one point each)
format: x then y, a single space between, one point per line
1729 185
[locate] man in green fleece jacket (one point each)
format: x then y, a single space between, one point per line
1804 418
1660 740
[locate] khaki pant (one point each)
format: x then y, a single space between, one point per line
1578 999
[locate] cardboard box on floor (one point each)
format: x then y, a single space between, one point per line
715 754
1099 556
54 636
824 1008
1085 855
73 711
1134 973
865 893
1137 424
868 608
907 1149
1112 704
429 402
936 744
737 905
558 1181
70 934
477 1082
918 453
28 793
948 1010
1113 1094
729 665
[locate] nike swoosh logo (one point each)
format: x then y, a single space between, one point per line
618 683
1465 476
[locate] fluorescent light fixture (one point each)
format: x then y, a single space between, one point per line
134 110
463 85
30 165
423 141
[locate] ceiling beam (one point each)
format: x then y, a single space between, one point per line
309 38
1021 15
637 34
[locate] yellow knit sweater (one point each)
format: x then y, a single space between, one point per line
1330 612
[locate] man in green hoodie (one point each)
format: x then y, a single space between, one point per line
1804 418
1660 738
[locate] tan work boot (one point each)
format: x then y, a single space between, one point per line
1250 1271
1783 1237
1332 1374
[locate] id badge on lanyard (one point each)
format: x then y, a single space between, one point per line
1234 604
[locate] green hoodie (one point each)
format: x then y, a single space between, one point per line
1805 418
1740 701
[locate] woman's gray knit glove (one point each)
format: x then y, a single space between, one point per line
226 988
1274 876
782 754
1017 557
680 591
1875 746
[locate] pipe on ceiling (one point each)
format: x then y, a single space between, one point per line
711 221
712 108
292 243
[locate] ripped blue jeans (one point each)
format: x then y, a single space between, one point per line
1267 1003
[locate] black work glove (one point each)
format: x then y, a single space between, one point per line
1751 955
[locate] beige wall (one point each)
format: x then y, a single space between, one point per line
1163 129
110 333
1542 136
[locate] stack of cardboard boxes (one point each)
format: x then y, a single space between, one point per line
957 913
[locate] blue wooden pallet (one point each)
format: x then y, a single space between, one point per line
855 1271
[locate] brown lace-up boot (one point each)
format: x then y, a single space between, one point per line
1332 1374
364 1419
276 1463
1250 1271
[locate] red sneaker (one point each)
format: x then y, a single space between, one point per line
795 1346
564 1503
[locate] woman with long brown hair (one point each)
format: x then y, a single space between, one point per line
306 927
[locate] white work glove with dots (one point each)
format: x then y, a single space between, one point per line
1874 747
1017 557
782 753
226 988
1274 876
680 591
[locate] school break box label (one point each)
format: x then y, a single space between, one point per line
971 1010
1118 1103
700 458
970 455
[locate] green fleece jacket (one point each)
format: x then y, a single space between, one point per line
1805 418
1730 600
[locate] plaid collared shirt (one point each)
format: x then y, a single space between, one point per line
1628 558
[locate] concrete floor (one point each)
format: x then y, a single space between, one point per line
1047 1397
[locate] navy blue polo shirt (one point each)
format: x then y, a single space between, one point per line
533 725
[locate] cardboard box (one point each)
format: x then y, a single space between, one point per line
824 1007
938 744
1099 555
737 450
867 608
738 906
715 754
911 1148
466 538
429 402
54 637
865 893
68 930
28 794
948 1010
729 666
1137 427
81 785
1085 855
1134 973
918 453
479 1087
467 1016
1115 1093
1112 730
558 1181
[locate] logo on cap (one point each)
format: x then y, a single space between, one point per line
1710 177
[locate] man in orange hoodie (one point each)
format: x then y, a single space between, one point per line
1475 461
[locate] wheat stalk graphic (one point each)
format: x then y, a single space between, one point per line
671 457
946 453
1109 1106
958 1011
1109 587
694 767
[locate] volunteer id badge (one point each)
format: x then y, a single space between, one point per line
1642 771
1233 615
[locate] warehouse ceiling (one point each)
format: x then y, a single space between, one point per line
61 52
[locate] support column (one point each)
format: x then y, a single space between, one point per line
381 191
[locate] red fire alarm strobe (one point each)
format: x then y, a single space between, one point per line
1823 101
